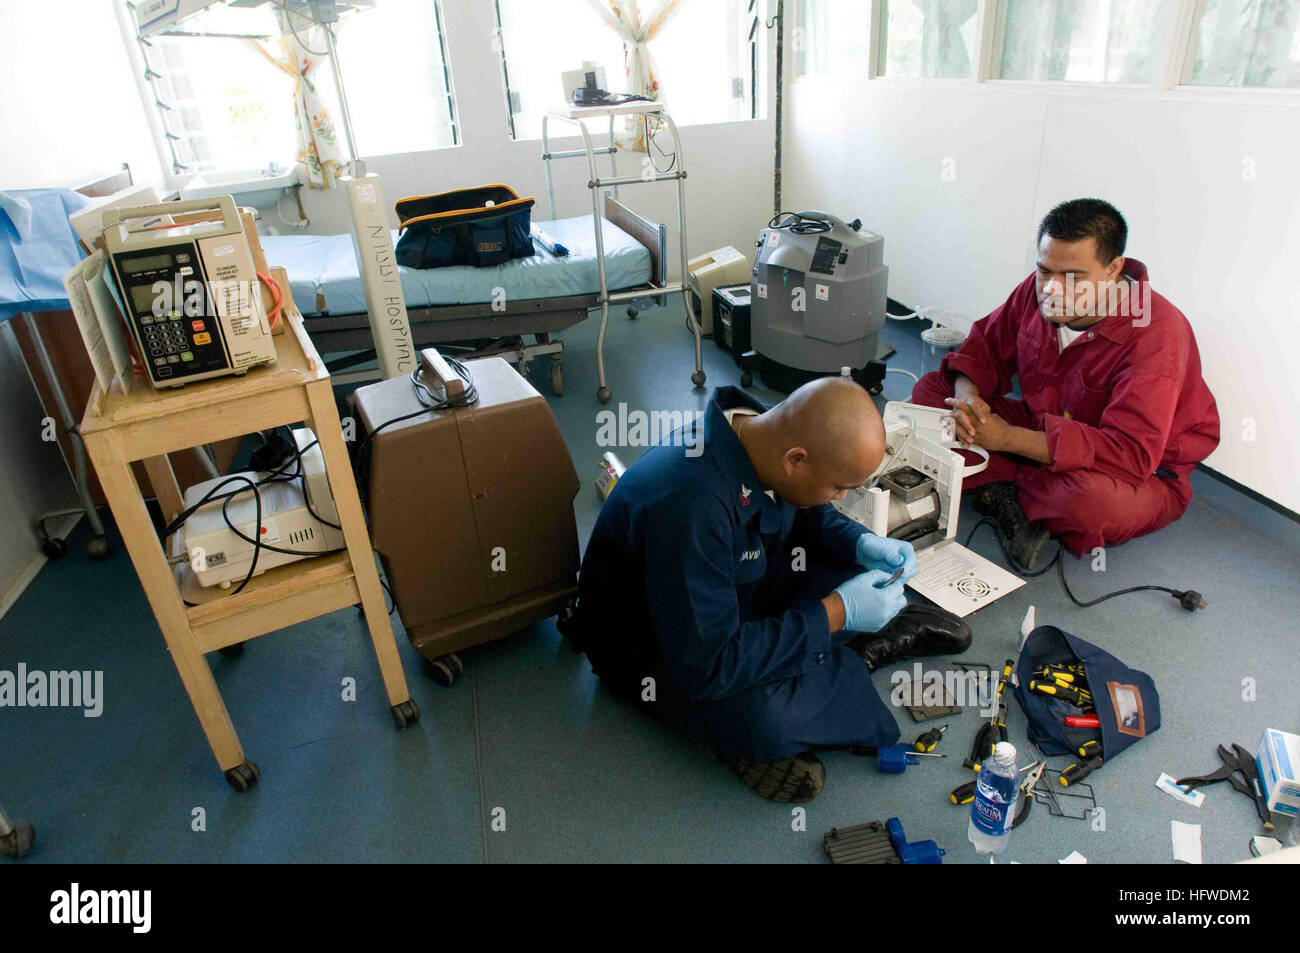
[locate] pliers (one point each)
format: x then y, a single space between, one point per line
1238 761
1027 790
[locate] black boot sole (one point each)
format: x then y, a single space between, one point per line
788 781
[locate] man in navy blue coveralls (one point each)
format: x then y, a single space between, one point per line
719 587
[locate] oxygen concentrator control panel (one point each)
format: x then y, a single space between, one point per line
178 336
827 255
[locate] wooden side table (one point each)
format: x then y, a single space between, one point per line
146 425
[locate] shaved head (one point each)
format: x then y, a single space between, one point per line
821 441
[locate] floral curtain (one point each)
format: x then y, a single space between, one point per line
624 18
318 145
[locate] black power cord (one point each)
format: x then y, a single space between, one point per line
1189 599
799 224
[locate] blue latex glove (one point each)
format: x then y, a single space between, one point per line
867 608
881 552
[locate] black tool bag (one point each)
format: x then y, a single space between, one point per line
1125 700
482 226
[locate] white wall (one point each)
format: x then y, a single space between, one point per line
33 480
1221 245
729 165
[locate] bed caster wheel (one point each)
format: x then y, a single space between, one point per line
746 379
54 548
557 380
243 776
603 394
632 312
97 548
232 651
445 669
18 841
407 713
698 378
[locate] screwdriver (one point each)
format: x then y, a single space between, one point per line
1079 770
929 740
1089 749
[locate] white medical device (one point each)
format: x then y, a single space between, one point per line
915 493
219 556
189 288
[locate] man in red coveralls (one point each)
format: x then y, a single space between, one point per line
1114 414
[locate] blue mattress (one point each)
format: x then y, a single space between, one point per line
327 265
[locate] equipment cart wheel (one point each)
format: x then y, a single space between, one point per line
445 669
875 389
746 379
232 651
603 394
631 312
697 378
557 378
407 713
243 776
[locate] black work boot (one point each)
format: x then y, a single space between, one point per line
916 630
1023 540
789 781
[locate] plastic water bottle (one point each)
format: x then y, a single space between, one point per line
996 794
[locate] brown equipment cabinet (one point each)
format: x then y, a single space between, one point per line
471 509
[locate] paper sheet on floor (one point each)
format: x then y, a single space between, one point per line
1074 858
1187 842
1170 787
959 580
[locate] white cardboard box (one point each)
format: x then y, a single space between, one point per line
1278 760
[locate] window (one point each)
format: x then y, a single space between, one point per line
707 58
831 37
708 62
929 37
1245 43
224 106
1092 41
399 92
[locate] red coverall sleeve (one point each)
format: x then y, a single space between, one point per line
1131 435
988 357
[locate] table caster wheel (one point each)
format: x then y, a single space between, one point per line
632 312
746 379
232 651
603 394
243 776
698 378
18 841
557 380
445 669
407 713
97 548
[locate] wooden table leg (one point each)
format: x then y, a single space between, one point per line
127 503
320 397
165 488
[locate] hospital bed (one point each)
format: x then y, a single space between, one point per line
488 311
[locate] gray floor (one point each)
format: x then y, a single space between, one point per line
530 737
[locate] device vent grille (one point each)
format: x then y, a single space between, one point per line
302 535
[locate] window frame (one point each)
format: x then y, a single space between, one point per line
176 171
752 9
1176 37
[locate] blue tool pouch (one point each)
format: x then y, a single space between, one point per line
1125 700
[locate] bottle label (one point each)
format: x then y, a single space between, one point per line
989 817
